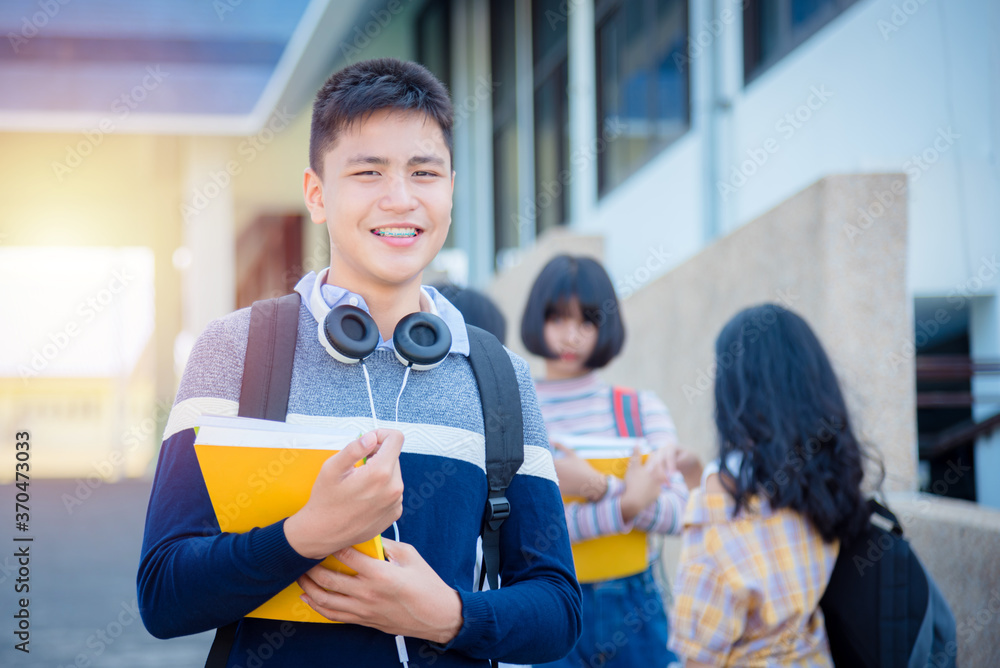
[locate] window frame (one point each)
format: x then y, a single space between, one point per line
603 11
789 39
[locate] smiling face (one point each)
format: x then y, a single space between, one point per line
572 339
386 197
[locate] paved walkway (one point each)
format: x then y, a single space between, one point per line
82 603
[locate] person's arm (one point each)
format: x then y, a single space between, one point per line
192 575
663 515
535 616
710 610
600 514
400 596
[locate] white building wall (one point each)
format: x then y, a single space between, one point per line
889 91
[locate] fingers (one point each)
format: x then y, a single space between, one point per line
326 579
355 451
360 562
562 448
636 459
390 444
671 460
398 553
322 598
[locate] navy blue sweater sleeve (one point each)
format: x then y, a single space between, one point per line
535 616
193 577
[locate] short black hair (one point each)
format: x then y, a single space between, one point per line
357 91
476 308
562 279
778 402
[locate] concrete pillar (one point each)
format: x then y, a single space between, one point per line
472 215
207 258
582 110
525 115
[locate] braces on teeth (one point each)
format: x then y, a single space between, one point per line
387 233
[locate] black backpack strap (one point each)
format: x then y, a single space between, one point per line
267 379
267 367
504 429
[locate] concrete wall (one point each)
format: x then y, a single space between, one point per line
905 88
800 254
958 542
806 254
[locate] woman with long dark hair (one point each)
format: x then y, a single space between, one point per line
762 532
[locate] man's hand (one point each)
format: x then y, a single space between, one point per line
351 505
644 481
577 477
402 596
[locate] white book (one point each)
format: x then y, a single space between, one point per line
253 433
601 447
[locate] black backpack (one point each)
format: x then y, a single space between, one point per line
267 378
882 608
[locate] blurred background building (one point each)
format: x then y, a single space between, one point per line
166 140
151 159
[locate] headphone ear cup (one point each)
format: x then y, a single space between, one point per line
422 340
348 333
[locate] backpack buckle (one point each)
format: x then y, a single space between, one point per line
497 510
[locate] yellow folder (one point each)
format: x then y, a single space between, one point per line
619 555
259 472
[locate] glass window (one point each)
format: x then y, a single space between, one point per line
773 28
505 196
642 83
551 73
433 39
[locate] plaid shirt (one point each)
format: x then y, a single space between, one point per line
747 590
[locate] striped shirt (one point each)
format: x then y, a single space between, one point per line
583 407
747 589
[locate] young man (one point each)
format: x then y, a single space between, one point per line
381 179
